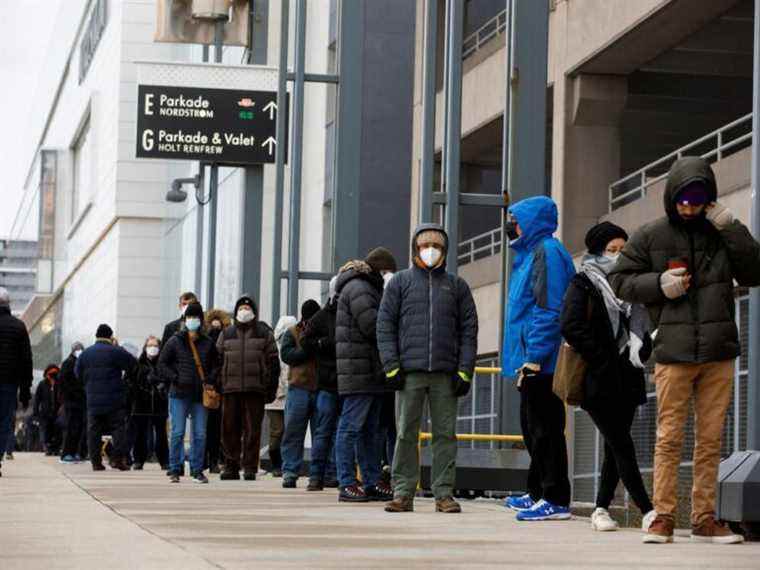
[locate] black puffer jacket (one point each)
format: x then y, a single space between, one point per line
72 388
15 351
699 327
177 366
319 338
428 320
611 380
359 291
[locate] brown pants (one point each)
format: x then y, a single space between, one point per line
711 385
276 428
242 414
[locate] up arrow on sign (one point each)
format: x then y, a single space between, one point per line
271 107
271 142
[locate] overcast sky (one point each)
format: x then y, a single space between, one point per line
22 52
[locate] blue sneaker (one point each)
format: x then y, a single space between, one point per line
545 511
519 504
68 459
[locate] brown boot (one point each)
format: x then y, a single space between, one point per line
715 532
447 505
661 531
400 505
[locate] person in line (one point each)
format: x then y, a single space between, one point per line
361 380
300 409
541 272
15 369
275 411
319 339
613 338
47 408
150 407
189 364
175 326
249 377
216 321
427 331
683 267
75 408
101 368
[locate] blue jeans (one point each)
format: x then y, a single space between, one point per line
358 432
301 408
8 394
179 410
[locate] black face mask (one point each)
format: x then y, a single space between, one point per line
511 228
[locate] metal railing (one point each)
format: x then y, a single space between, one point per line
492 28
483 245
725 141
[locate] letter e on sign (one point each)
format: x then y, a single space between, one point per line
149 103
147 140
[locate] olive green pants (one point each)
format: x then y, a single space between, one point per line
438 389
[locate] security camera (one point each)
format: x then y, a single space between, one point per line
176 194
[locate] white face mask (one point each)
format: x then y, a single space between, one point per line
152 351
387 279
77 353
430 256
612 257
245 315
193 324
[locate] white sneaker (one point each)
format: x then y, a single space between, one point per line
602 521
648 519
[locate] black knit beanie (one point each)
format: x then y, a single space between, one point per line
309 309
380 259
194 310
104 331
600 235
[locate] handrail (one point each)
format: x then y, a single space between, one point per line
469 252
492 28
635 185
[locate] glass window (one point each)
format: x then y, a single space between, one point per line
82 172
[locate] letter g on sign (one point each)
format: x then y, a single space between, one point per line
148 140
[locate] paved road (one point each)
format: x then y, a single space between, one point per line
55 516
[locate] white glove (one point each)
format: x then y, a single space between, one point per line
674 283
718 215
636 344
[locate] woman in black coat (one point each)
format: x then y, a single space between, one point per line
612 337
150 407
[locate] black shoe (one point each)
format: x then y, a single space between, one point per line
230 475
331 484
200 478
289 483
353 494
98 467
137 467
315 485
249 476
380 492
173 478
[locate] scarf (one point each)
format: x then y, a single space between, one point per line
596 268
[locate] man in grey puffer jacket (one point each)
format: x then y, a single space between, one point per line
427 333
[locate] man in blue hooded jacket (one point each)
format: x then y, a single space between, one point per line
541 272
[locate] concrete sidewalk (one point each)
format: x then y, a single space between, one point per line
55 516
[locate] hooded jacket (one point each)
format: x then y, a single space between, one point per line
699 327
283 324
359 291
541 271
428 321
101 368
250 360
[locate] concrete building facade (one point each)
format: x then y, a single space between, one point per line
18 271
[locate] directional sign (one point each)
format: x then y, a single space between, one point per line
225 126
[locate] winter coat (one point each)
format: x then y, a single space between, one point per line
250 361
610 378
699 327
319 339
72 388
15 351
302 363
176 365
47 400
101 368
148 399
283 324
541 272
170 330
428 320
359 291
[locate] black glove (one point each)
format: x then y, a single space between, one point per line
25 396
397 381
461 386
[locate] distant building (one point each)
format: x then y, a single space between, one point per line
18 271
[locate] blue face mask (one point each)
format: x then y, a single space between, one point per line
193 324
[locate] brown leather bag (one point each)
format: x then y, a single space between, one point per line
570 372
212 400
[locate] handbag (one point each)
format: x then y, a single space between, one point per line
212 400
570 372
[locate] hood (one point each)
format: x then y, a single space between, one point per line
538 219
218 315
426 228
248 300
356 269
283 324
684 171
